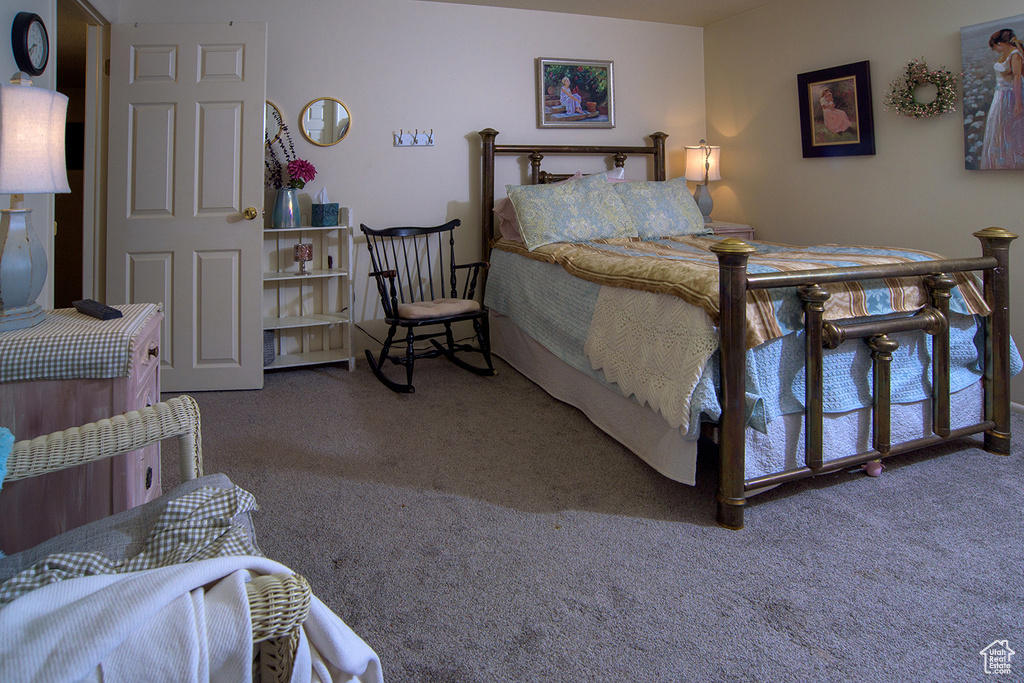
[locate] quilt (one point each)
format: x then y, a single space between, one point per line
685 267
628 338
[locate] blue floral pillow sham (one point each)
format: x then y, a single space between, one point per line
576 211
662 208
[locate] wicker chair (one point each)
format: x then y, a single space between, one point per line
279 603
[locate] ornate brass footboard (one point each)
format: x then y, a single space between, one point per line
734 282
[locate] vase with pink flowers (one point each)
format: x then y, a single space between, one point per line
287 178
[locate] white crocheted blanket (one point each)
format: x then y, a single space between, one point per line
635 339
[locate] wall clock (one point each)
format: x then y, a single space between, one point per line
30 43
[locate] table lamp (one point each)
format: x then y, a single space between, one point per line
31 161
702 166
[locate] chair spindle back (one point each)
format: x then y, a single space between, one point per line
422 260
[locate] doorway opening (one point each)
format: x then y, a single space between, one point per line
78 253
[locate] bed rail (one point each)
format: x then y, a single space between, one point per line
734 282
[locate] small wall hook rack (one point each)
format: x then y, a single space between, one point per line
413 139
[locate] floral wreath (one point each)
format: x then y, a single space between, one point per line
900 96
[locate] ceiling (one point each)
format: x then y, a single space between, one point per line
685 12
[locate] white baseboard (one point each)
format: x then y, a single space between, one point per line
1016 408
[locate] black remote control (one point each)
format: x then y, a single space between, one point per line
96 309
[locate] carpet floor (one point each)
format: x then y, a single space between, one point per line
479 530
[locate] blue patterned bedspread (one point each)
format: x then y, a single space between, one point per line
556 308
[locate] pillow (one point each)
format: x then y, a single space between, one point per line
508 226
582 210
661 208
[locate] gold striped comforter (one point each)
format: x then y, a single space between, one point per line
685 267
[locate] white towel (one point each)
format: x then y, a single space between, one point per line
163 624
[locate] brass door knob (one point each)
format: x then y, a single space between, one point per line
250 213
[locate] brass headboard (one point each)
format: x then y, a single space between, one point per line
536 154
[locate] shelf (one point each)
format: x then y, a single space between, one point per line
304 228
292 360
310 274
304 321
309 315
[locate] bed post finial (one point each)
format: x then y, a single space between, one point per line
732 325
995 243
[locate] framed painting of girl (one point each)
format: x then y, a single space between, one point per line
575 93
835 111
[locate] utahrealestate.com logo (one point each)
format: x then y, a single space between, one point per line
997 657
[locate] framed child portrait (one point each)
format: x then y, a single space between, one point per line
575 93
835 111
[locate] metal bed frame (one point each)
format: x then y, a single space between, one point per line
735 282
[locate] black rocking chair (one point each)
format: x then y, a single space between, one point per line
416 277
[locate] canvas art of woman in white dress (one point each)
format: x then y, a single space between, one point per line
1004 128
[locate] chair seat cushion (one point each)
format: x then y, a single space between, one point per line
118 536
438 308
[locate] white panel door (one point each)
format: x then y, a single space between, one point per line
185 162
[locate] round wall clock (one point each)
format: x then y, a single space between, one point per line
30 42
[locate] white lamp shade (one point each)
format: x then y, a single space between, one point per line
695 159
32 140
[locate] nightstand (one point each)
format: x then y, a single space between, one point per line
744 232
68 370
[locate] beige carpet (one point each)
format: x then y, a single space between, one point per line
479 530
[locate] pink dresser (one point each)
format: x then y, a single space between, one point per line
64 372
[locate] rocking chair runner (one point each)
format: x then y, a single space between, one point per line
417 279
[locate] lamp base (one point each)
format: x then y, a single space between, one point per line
21 317
704 203
22 269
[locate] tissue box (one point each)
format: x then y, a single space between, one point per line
325 215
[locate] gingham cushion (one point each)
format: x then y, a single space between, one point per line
195 526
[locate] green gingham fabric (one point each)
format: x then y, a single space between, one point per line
72 345
196 526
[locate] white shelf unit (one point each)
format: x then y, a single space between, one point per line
309 315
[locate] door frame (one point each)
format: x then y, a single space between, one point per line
94 189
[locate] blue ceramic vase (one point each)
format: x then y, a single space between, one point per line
286 209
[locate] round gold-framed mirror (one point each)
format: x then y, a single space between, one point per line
272 122
325 121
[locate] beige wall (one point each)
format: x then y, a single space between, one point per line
41 204
913 192
402 64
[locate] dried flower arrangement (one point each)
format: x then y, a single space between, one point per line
299 171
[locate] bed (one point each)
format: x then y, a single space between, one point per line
800 360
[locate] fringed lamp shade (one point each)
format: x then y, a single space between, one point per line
31 162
